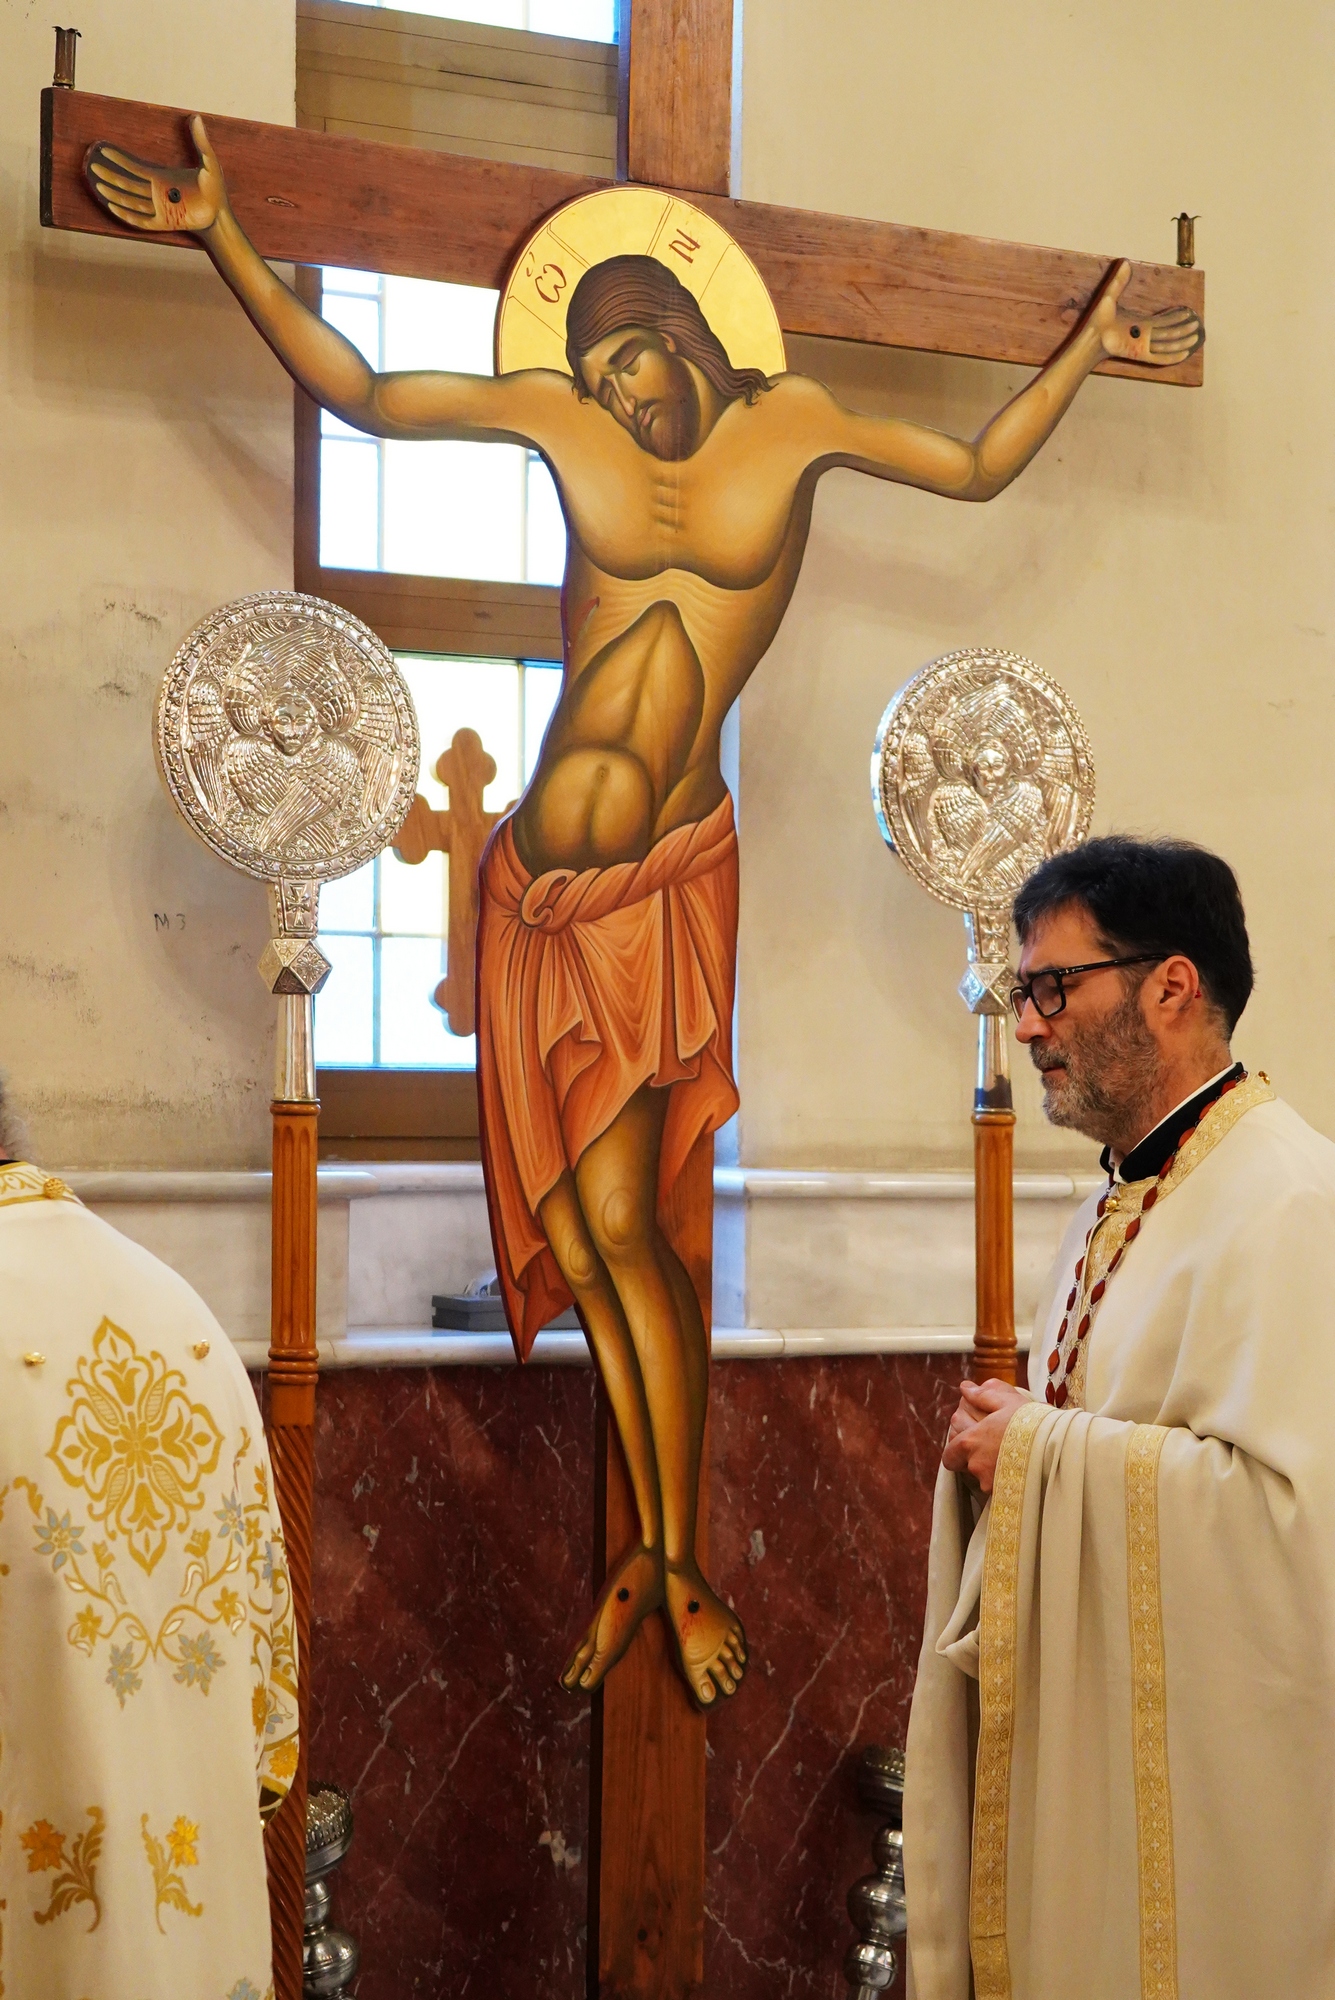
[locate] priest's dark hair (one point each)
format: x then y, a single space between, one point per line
639 291
1155 896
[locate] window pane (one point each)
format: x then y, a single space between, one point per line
412 899
349 904
542 688
467 694
335 280
429 325
358 320
414 1034
454 510
488 13
590 20
545 555
334 427
349 504
586 20
343 1011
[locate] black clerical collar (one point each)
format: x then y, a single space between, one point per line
1159 1145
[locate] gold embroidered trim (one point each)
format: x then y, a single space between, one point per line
1125 1201
20 1181
997 1642
1149 1718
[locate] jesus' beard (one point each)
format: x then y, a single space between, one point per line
1108 1087
670 428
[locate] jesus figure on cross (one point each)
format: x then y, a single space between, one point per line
607 937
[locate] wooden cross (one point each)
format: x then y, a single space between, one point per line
313 198
461 831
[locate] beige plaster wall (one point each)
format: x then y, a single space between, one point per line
145 476
1167 557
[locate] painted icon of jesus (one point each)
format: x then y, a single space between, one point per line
607 937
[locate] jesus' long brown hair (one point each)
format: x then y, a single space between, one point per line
639 291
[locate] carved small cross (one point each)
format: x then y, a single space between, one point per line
461 831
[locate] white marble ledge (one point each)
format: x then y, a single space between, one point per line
943 1184
338 1182
417 1347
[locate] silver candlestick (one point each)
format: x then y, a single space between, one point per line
331 1958
876 1902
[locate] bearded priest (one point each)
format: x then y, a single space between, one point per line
1121 1754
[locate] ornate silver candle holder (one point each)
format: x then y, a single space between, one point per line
876 1902
331 1958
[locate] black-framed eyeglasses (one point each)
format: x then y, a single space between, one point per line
1047 992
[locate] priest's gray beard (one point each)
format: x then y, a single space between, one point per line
1105 1077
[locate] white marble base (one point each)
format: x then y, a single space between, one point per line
803 1262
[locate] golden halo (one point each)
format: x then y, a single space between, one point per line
531 317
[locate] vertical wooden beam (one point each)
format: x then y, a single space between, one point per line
675 128
309 287
647 1808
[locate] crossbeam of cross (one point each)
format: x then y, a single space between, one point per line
315 198
460 831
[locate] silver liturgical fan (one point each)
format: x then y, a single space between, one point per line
287 739
981 770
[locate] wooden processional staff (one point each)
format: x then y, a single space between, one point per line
287 739
981 770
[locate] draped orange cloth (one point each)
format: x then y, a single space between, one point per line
591 984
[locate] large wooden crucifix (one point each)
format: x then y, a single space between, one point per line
316 199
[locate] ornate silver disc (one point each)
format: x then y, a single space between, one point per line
287 738
981 770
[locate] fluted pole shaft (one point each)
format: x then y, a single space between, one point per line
292 1375
994 1245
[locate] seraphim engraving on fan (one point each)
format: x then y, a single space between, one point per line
981 770
286 738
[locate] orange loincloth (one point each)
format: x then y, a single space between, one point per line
590 985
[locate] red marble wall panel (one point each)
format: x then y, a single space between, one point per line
453 1551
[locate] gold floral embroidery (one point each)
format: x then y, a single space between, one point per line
233 1573
997 1645
167 1858
1149 1718
75 1874
135 1443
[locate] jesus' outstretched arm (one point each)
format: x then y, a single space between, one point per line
891 448
328 367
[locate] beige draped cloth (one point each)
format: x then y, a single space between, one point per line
1121 1754
147 1665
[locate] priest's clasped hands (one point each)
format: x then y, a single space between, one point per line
978 1426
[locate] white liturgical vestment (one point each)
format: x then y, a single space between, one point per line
147 1670
1121 1754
